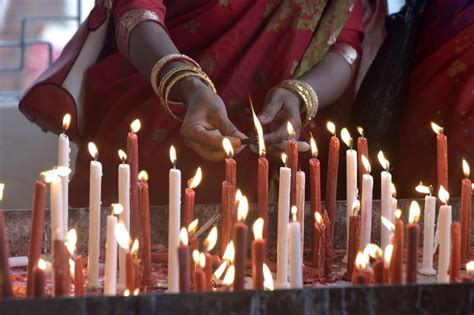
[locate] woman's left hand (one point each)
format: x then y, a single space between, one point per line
281 106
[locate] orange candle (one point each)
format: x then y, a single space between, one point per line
130 283
328 244
315 197
396 263
319 241
362 150
413 233
79 275
466 208
230 163
39 278
226 213
183 260
258 254
145 216
331 182
132 159
292 161
209 244
200 284
240 243
455 265
441 155
354 244
61 272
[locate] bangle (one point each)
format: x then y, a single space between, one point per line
181 76
155 71
345 51
303 90
170 74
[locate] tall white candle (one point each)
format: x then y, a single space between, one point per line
300 196
56 197
110 278
95 191
366 209
63 160
351 179
385 199
174 224
444 224
394 207
428 235
124 217
295 255
283 217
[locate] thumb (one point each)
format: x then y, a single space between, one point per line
269 112
224 125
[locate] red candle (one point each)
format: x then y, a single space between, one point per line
466 208
413 233
132 159
208 271
315 195
240 243
36 233
230 163
79 275
188 213
258 254
455 265
226 213
331 182
145 216
263 193
396 263
39 279
5 281
292 161
319 241
61 272
378 271
360 274
442 155
328 244
354 244
130 274
209 244
362 150
183 260
200 283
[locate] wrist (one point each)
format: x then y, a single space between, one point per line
184 89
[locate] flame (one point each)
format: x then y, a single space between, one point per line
398 213
465 168
229 252
183 236
242 209
72 267
423 189
393 188
414 214
41 264
373 251
143 176
220 270
136 291
122 155
267 278
172 154
122 236
66 121
258 126
229 150
294 211
365 162
135 247
387 255
318 218
291 130
284 158
196 256
193 226
346 137
362 260
383 161
229 276
211 239
360 130
470 267
196 180
126 292
436 128
93 150
443 194
258 229
117 208
238 195
202 260
314 146
71 240
388 224
53 175
331 127
135 125
355 207
2 187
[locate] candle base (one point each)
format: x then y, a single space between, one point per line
93 286
427 271
282 285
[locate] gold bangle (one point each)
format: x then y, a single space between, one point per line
158 66
172 73
303 90
181 76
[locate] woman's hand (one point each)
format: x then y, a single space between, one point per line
281 106
206 123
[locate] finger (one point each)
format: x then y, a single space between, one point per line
269 111
224 125
278 135
201 135
204 152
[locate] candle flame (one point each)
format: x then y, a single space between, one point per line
258 229
393 189
331 127
229 276
398 214
135 125
71 240
211 239
267 278
383 161
136 291
72 267
122 236
135 247
2 187
243 209
183 236
193 226
365 162
318 218
443 195
465 168
387 255
470 267
196 256
355 207
414 214
314 147
66 121
173 155
362 260
122 155
284 158
423 189
93 150
54 174
143 176
346 137
220 270
258 126
196 180
117 208
388 224
290 129
360 130
294 211
41 264
126 292
229 150
373 251
229 252
436 128
238 195
202 260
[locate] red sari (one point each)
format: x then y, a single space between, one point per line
245 46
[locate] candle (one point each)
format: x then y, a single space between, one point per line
396 263
183 261
60 272
360 274
295 256
300 201
199 275
283 215
466 208
230 163
240 243
328 248
114 232
95 187
70 265
469 276
393 189
315 193
174 223
444 224
319 243
331 180
362 150
413 233
354 239
428 230
292 162
131 267
366 203
258 254
145 216
209 244
441 155
455 264
36 233
39 279
375 253
5 281
132 157
226 213
387 258
56 209
189 197
124 217
385 198
63 160
79 275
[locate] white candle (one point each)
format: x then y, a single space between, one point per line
394 207
110 278
174 224
95 190
63 160
300 199
18 261
385 199
351 179
428 235
295 255
124 217
366 209
56 197
283 217
444 226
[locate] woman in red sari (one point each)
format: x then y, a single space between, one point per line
247 48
